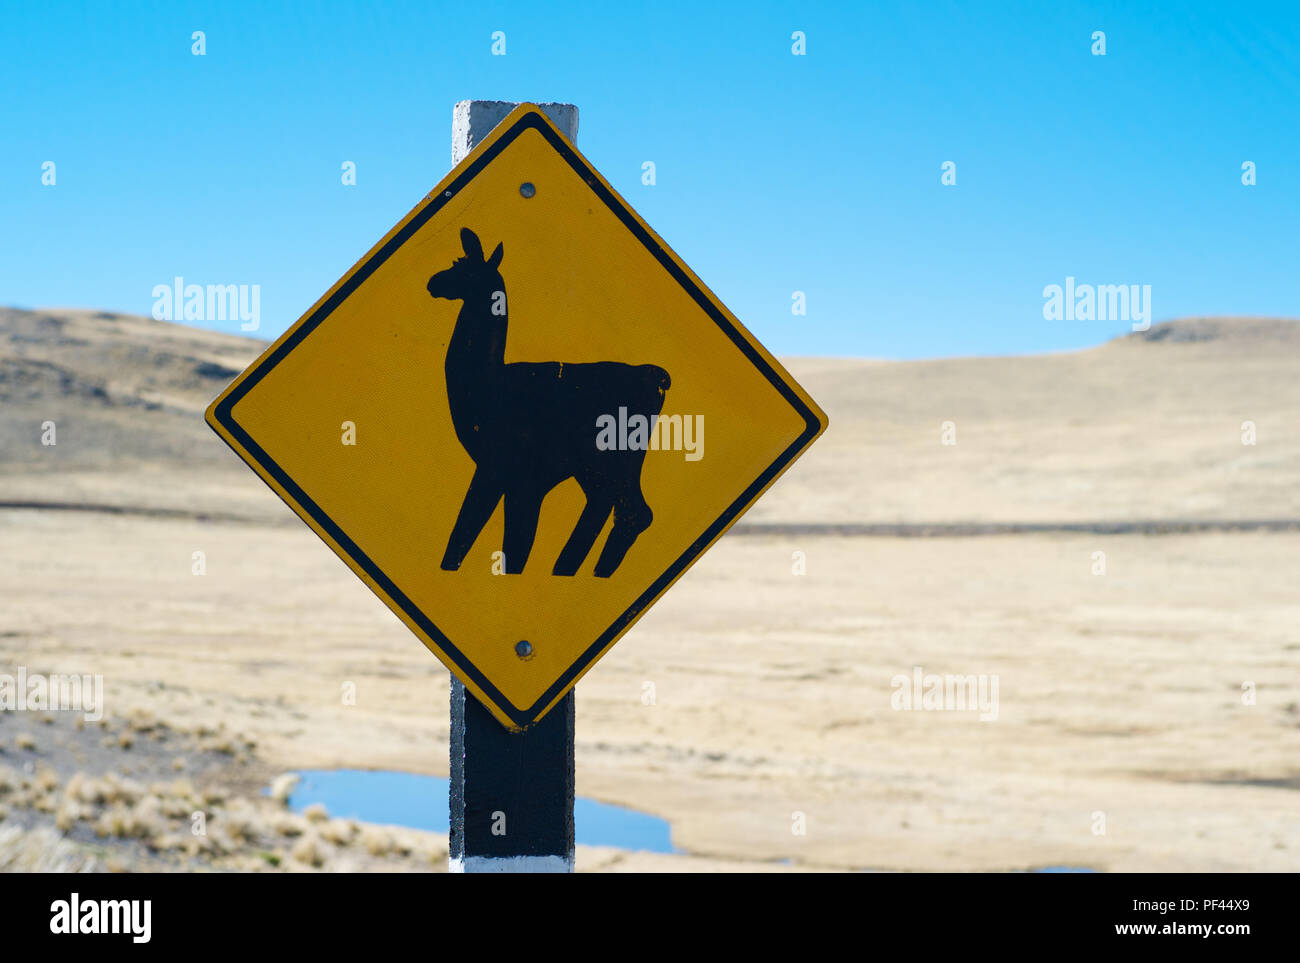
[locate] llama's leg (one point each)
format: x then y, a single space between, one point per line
479 504
632 516
590 522
522 511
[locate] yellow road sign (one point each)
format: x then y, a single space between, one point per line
519 418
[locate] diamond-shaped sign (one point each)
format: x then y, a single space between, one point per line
519 418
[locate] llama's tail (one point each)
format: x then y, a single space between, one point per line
660 377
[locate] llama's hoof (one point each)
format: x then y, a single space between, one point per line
449 566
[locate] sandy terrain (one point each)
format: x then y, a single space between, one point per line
1120 694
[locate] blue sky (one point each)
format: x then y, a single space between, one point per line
775 172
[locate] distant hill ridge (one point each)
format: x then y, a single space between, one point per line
1185 330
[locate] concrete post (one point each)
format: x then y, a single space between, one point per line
511 794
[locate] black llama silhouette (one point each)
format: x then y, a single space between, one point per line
531 425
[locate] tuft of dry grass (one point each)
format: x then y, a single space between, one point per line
316 813
340 832
47 780
141 821
240 825
198 846
42 851
377 842
140 720
87 789
44 796
75 786
69 814
289 825
309 851
180 800
122 789
283 786
167 842
437 853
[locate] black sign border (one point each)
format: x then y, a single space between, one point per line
532 120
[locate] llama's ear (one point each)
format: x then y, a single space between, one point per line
495 260
469 241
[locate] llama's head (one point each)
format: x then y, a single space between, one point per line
470 276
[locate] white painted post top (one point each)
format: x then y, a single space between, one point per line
473 120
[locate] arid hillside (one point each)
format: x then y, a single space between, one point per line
1146 428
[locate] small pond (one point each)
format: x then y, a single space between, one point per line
420 802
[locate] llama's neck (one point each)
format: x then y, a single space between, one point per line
476 360
479 341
